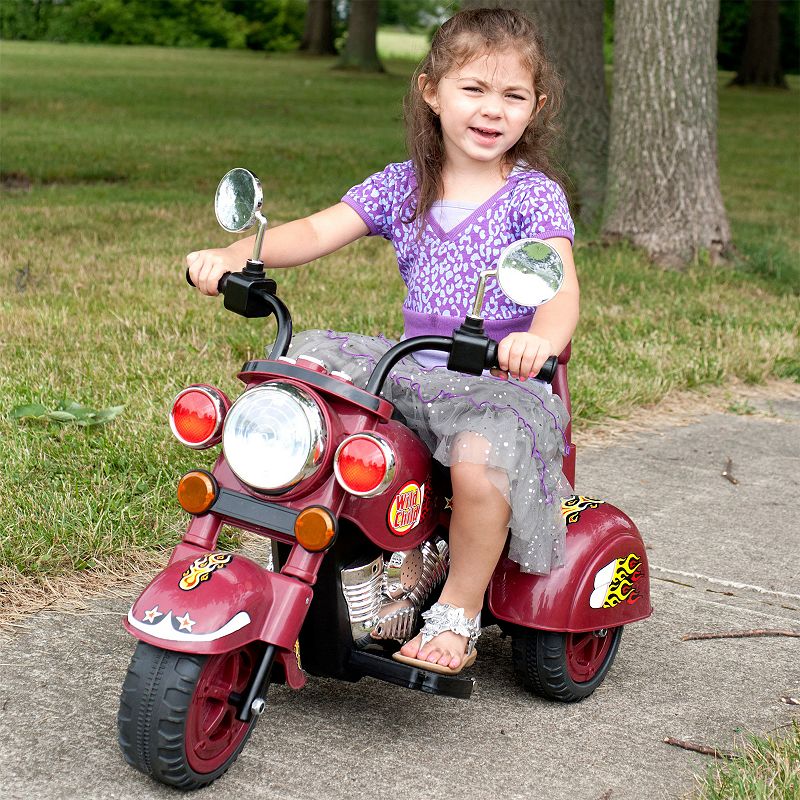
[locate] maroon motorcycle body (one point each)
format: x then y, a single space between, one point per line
216 628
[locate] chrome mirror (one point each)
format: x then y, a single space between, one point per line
530 272
237 203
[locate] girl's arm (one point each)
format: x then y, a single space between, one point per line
524 354
288 245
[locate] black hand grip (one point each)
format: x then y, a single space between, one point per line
546 373
220 286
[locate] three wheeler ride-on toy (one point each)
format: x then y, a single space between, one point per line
357 512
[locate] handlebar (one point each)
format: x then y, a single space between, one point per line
256 298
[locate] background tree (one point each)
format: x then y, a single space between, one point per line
663 182
360 51
318 33
573 36
761 62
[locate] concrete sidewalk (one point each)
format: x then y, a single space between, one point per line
723 556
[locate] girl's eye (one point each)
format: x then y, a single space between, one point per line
472 88
516 97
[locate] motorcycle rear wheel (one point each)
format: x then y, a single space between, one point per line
563 666
176 722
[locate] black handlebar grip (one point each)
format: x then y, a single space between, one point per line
220 286
546 373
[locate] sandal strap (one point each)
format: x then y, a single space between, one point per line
441 617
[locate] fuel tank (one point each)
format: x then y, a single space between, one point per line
604 583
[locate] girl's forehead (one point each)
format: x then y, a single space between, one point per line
506 68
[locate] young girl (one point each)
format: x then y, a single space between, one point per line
478 117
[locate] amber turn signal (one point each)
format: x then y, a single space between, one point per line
197 491
315 528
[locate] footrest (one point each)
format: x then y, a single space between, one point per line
386 669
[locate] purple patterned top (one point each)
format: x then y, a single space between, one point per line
441 268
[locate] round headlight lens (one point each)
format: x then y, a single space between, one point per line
274 436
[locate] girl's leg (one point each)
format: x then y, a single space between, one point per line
478 529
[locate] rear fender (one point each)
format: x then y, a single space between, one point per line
604 583
218 602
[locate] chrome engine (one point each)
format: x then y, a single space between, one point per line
384 597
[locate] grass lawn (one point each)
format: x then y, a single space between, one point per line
763 768
110 157
401 44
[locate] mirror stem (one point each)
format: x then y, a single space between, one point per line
262 227
477 306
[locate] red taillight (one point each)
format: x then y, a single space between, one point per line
197 416
364 464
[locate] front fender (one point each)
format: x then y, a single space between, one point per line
218 602
604 583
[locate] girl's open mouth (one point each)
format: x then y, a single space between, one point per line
485 134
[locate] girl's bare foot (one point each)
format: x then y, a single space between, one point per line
447 649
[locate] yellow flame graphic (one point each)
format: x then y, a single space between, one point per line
200 570
572 507
621 587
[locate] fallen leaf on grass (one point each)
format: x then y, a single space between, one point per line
67 411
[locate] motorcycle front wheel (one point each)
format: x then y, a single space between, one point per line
176 720
563 666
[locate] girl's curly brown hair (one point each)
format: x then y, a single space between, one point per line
462 38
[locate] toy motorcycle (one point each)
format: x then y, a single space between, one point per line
357 511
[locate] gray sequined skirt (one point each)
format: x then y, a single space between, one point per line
516 430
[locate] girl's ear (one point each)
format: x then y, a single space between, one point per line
540 103
428 92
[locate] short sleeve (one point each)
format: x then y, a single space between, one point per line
544 209
375 198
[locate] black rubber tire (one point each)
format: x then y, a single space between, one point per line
153 711
540 662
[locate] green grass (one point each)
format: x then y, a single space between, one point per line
115 153
401 44
765 768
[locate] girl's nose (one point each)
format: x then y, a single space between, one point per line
491 106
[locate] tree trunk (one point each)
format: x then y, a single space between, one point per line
318 33
573 36
761 62
361 51
663 183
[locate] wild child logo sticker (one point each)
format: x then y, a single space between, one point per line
406 508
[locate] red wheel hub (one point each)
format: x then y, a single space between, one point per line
586 653
212 731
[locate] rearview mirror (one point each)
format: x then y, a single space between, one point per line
237 203
530 272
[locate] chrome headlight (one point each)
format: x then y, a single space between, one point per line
274 436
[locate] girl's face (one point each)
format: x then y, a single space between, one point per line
484 107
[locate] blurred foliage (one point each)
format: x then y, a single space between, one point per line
277 25
733 16
415 15
257 24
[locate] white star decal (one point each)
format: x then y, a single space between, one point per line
150 616
448 503
186 622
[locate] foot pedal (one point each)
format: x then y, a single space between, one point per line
386 669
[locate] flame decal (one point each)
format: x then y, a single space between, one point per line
572 507
614 583
201 569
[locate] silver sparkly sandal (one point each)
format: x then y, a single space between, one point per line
443 617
